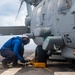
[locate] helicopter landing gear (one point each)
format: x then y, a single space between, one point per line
40 54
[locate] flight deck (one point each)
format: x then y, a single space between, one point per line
53 68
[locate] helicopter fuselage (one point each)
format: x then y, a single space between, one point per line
55 20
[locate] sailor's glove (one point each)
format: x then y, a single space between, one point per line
23 61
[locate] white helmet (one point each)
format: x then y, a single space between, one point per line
25 39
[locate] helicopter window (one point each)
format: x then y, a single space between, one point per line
38 16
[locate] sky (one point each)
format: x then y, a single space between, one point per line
8 13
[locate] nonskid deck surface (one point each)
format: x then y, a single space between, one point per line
53 68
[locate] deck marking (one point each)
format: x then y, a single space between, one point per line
64 73
11 71
48 69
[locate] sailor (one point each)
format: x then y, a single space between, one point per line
13 50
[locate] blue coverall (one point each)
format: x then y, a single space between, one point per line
13 50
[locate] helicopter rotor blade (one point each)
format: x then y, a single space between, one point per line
19 8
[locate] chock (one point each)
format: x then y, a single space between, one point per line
37 64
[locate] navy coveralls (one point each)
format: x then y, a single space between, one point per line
13 50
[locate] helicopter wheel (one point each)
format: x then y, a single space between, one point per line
73 61
40 54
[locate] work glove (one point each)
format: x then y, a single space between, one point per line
23 61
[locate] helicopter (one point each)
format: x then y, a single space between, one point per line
52 27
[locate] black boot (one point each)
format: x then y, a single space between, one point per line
15 63
4 63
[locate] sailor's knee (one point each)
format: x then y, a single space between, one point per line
13 55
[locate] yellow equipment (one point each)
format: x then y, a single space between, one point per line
37 64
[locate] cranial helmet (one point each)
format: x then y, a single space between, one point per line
25 40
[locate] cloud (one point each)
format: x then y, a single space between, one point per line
7 10
8 13
10 21
8 7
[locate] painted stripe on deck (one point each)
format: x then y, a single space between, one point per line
11 71
64 73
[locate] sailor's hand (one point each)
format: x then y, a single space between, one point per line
23 61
